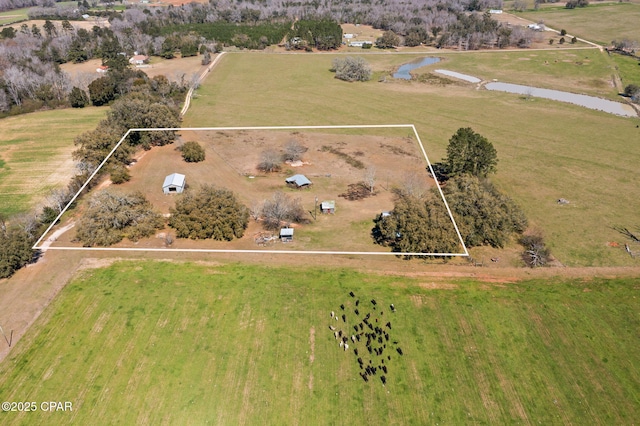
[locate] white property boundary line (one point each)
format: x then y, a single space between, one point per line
37 245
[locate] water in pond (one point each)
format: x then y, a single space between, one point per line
583 100
403 71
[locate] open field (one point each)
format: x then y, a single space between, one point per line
241 344
11 16
585 71
599 23
547 150
34 159
628 68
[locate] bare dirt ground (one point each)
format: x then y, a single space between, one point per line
173 69
231 161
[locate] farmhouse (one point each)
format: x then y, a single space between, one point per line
328 207
359 43
138 60
299 181
175 182
286 235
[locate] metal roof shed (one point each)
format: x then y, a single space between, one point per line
175 182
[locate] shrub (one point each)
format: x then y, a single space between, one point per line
15 249
112 216
120 174
78 98
352 69
192 152
209 213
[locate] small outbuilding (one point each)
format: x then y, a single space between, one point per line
299 181
175 182
328 207
286 235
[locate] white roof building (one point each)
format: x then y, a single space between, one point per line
175 182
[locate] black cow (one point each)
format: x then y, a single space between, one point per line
344 318
373 302
342 307
351 294
384 380
356 311
357 302
399 351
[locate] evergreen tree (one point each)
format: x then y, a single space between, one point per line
470 153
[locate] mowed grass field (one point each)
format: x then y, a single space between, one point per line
169 342
35 154
599 23
547 150
11 16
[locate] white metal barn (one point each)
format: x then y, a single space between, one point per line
175 182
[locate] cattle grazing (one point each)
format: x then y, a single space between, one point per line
331 327
346 346
389 358
351 294
335 334
361 326
370 326
358 337
341 343
356 311
355 327
344 339
379 339
386 336
342 307
357 302
384 368
373 302
393 308
399 351
368 316
344 318
355 351
353 338
340 333
384 380
381 312
369 348
332 314
389 325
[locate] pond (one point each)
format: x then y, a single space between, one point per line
590 102
403 71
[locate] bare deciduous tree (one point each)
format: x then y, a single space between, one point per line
270 160
293 150
370 177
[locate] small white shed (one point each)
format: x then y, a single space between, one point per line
175 182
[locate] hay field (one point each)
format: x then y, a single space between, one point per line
36 158
547 150
599 23
170 342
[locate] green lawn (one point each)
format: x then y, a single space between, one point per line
166 342
599 23
11 16
629 69
35 154
547 150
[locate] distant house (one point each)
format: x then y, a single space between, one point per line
175 182
328 207
495 11
535 27
299 181
139 60
286 235
359 43
102 69
349 36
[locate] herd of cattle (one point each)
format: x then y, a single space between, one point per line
365 329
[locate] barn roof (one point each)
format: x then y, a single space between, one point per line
299 180
174 179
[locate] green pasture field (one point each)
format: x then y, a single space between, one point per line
628 68
586 71
547 150
169 342
599 23
35 154
11 16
